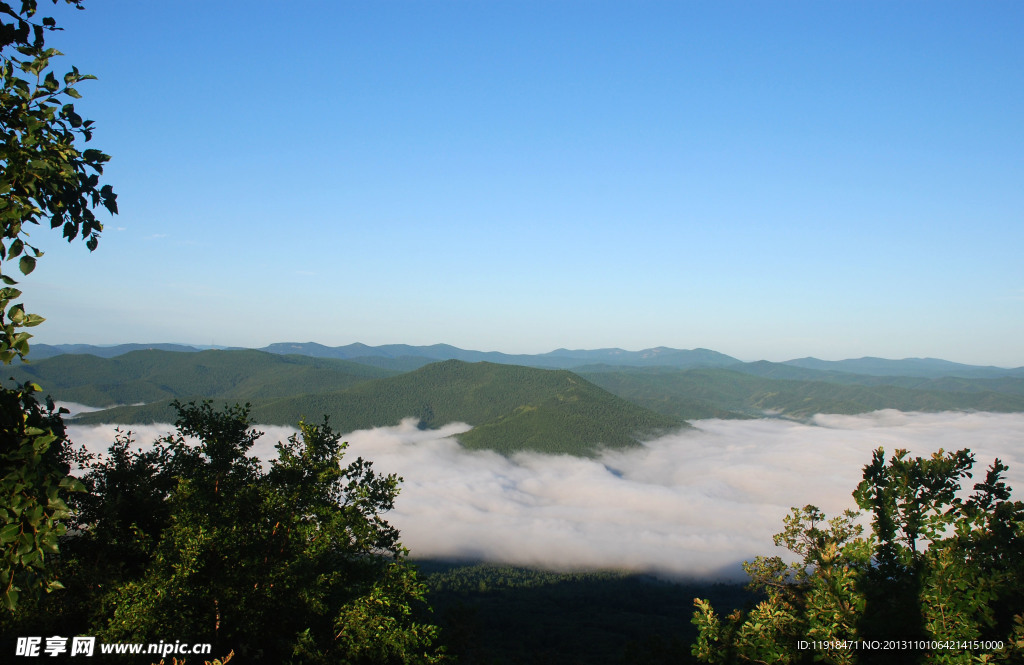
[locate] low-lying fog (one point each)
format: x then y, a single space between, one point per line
694 503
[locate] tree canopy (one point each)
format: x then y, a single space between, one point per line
46 177
289 561
939 578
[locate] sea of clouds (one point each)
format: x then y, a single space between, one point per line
693 503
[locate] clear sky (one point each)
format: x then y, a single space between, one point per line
766 179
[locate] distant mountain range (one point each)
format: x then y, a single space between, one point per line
403 357
40 351
511 407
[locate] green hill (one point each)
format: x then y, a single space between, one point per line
153 375
727 393
933 368
1010 385
511 408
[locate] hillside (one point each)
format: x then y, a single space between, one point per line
511 408
727 393
153 375
1009 384
921 367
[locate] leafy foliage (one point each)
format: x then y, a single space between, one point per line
216 661
44 178
293 563
935 566
33 477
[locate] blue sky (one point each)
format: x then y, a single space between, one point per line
767 179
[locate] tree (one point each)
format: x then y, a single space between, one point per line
936 569
45 177
34 467
292 563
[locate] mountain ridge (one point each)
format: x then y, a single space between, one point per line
405 357
510 407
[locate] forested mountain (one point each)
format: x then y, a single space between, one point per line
701 393
510 408
1010 382
151 376
922 367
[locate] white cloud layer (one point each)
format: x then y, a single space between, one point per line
74 408
697 502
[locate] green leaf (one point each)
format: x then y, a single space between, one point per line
10 599
10 533
27 264
72 484
32 558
